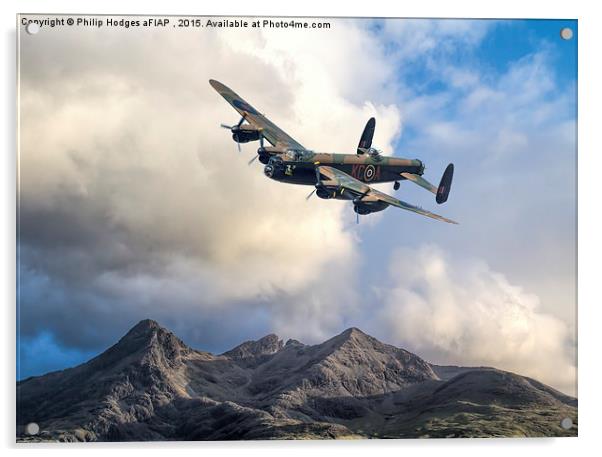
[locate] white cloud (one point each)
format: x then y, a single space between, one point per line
120 134
158 216
461 312
512 137
418 38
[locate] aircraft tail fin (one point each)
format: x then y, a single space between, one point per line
441 192
445 184
367 135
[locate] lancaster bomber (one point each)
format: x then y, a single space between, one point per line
338 176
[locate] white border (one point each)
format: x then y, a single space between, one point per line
590 230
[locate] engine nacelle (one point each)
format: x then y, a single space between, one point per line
266 152
325 193
364 208
245 134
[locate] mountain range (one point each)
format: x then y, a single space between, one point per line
151 386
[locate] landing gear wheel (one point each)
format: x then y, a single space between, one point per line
396 185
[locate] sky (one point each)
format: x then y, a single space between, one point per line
134 204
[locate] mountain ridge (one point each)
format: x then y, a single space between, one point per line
151 386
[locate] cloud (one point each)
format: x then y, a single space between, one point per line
461 312
417 39
510 130
133 202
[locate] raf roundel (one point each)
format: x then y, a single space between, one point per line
244 106
288 161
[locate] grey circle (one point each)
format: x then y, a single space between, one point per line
32 28
566 33
32 428
566 423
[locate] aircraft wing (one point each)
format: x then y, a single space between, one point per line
420 181
270 131
364 192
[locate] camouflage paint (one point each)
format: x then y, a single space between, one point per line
337 176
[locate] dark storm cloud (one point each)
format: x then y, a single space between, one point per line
135 204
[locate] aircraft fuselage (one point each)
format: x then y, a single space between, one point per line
299 167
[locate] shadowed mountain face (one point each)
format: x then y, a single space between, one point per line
151 386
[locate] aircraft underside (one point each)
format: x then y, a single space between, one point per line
334 176
305 174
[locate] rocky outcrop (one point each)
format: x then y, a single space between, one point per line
151 386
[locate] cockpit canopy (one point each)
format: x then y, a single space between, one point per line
296 154
372 152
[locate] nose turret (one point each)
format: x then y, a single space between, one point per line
274 167
268 170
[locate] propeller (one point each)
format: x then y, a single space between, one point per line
356 201
230 127
260 146
310 194
234 127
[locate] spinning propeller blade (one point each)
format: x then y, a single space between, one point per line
231 127
234 127
261 146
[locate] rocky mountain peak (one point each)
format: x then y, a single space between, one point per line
362 365
293 343
148 332
146 323
354 332
146 341
269 344
151 386
144 327
354 336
